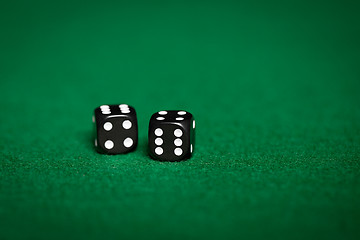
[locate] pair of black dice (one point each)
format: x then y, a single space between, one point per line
171 133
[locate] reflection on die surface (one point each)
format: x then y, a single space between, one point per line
116 129
171 135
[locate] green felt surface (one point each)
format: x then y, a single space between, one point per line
274 86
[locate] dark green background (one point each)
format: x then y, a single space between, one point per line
274 86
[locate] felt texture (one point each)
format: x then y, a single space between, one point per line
273 85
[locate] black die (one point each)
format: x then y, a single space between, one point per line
171 135
116 129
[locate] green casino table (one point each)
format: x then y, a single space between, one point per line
273 85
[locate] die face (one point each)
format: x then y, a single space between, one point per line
105 111
171 135
172 116
116 129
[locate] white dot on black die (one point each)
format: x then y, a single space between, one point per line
125 110
179 118
162 112
109 144
194 124
108 126
181 112
159 150
105 109
178 142
122 106
158 132
178 133
159 141
178 151
160 118
191 148
128 142
126 124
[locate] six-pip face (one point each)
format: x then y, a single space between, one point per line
171 135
